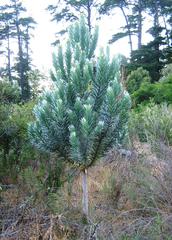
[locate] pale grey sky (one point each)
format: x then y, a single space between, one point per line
44 33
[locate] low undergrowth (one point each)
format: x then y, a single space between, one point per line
130 198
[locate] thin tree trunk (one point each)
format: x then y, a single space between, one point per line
85 194
156 37
27 47
9 59
157 41
140 25
156 16
20 52
23 82
166 29
129 30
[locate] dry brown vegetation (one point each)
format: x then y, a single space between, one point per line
130 198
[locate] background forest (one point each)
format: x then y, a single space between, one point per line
129 165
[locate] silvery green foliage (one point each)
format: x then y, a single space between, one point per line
87 112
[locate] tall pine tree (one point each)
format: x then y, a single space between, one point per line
16 29
157 52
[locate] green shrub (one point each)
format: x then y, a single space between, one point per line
8 93
144 94
136 126
137 78
166 72
15 149
16 152
159 92
152 123
158 123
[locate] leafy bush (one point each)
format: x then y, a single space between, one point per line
136 126
158 92
153 123
14 146
144 94
166 72
8 93
36 80
137 78
16 152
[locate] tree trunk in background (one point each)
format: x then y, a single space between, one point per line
85 194
27 47
156 21
23 81
139 25
21 72
156 37
166 30
9 58
128 28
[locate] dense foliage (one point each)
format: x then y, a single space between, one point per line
15 150
136 78
9 93
86 114
158 92
153 123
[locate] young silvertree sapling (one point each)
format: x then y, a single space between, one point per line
86 114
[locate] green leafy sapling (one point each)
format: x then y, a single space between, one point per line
87 112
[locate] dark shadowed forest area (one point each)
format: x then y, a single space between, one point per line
89 156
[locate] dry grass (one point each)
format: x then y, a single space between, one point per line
130 198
